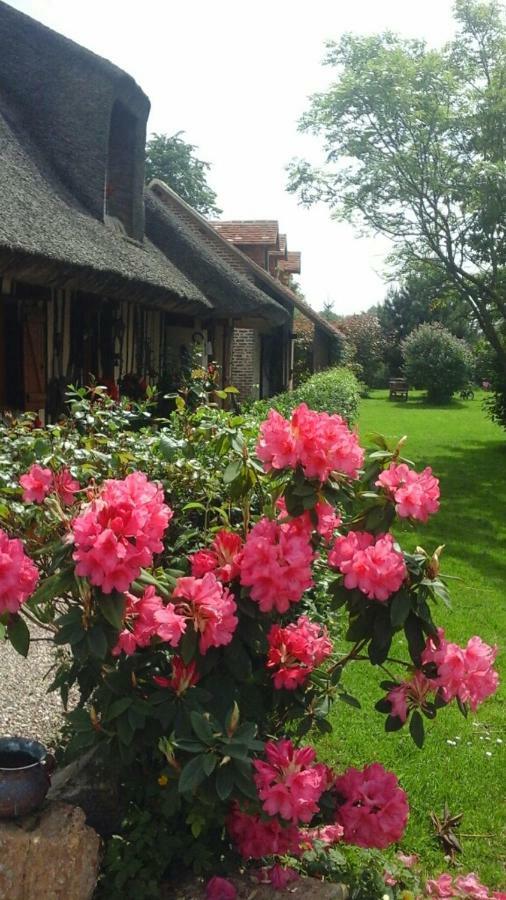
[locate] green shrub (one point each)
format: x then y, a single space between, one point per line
334 391
437 361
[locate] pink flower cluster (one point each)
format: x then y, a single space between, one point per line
222 557
38 482
220 889
327 520
118 532
146 617
209 606
416 495
463 672
369 563
183 676
464 887
18 574
278 876
318 442
374 809
411 694
255 837
276 565
289 783
294 651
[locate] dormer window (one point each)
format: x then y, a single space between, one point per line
120 172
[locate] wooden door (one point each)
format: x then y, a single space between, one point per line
34 355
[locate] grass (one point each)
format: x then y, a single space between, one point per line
463 760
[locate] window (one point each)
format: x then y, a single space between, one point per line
120 173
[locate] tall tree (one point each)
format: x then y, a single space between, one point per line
173 160
415 144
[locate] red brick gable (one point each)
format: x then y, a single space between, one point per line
265 232
291 264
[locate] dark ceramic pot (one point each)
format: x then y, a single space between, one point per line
25 767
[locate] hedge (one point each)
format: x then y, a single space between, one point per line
334 391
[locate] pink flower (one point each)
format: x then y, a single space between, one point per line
327 520
255 837
464 672
220 889
36 484
276 446
440 887
289 784
222 557
416 495
326 834
411 694
322 444
66 486
468 886
118 532
183 676
295 651
209 606
369 563
18 574
374 809
146 617
276 565
278 876
408 859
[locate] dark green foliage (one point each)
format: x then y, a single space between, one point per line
171 159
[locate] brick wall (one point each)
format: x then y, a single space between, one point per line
246 362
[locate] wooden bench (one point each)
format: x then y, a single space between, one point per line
398 389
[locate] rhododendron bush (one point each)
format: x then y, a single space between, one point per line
180 572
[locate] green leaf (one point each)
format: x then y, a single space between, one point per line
350 700
415 638
393 723
53 586
400 608
224 781
202 727
188 645
19 636
112 607
416 729
209 764
118 707
192 775
232 471
3 631
97 641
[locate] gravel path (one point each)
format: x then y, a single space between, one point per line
26 708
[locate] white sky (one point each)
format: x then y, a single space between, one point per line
235 77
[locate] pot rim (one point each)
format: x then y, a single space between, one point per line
16 744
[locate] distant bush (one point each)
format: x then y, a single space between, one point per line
334 391
436 361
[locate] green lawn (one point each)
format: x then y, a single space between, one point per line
463 761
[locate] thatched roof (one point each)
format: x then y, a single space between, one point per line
56 104
191 243
43 229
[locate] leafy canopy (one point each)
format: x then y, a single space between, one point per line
173 160
414 142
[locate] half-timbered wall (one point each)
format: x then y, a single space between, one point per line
51 338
